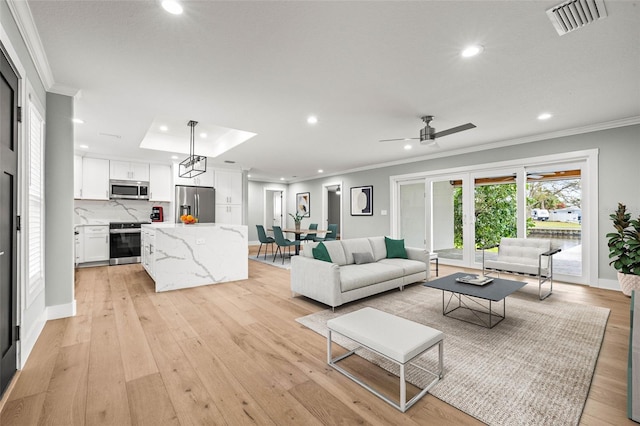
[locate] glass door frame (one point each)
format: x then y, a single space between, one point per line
586 160
423 182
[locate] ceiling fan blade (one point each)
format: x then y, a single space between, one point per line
401 139
454 130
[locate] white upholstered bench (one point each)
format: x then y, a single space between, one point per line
396 339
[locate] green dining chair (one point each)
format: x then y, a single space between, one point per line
311 235
264 239
281 241
332 235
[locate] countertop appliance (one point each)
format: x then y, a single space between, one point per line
124 242
199 201
128 190
157 214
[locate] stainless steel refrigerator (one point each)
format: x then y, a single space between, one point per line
199 201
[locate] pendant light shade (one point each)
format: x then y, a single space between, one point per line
193 165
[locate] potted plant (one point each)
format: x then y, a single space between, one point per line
624 249
297 218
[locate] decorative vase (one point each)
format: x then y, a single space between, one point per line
297 226
628 282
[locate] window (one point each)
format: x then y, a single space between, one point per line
35 226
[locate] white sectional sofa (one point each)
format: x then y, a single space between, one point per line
346 279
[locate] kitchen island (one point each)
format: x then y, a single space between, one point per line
182 256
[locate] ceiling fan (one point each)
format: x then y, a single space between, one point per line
428 134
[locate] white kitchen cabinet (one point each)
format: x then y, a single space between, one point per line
148 242
228 186
230 214
79 252
205 179
77 176
160 182
95 179
124 170
95 243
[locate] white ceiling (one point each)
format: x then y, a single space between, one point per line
367 70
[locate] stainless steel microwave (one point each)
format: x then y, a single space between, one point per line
128 190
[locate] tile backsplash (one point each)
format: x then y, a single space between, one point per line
93 212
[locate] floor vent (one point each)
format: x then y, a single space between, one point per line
571 15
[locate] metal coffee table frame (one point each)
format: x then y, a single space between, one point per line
465 296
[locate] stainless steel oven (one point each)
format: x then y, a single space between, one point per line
124 242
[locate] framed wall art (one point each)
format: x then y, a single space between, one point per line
303 204
362 201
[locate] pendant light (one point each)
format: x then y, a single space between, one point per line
193 165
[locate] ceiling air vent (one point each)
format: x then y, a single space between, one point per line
574 14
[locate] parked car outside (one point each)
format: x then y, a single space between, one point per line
540 214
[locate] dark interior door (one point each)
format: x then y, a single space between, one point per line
8 231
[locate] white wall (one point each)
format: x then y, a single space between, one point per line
59 261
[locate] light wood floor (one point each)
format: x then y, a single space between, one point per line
233 354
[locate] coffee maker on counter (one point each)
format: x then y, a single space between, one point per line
156 214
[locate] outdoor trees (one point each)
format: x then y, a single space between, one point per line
554 194
495 214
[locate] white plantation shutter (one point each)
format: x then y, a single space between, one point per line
36 203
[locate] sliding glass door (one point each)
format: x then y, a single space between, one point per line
412 226
456 215
448 222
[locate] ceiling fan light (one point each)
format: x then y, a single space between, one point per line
473 50
172 6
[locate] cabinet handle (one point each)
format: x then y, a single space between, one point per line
150 248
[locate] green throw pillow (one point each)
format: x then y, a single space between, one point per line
395 248
320 252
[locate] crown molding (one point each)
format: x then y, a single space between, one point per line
24 20
67 91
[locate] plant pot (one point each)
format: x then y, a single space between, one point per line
628 282
297 226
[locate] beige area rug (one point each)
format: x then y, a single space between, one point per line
534 368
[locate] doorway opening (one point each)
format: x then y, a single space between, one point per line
332 206
273 208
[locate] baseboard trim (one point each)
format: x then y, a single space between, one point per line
28 342
61 311
608 284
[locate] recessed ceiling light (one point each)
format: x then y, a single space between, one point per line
77 120
248 175
163 128
172 6
281 178
84 146
203 135
470 51
312 119
174 157
320 171
408 147
544 116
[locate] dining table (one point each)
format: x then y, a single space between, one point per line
298 233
